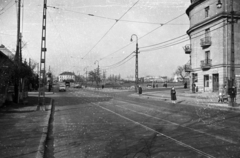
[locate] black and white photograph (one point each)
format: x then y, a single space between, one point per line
120 78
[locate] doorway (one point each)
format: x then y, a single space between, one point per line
215 82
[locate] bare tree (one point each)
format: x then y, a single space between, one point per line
181 72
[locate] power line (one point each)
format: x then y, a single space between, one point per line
179 37
144 35
121 20
109 29
120 61
5 8
163 42
169 45
119 64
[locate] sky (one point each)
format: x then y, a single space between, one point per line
77 41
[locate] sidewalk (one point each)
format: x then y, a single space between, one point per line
184 96
23 129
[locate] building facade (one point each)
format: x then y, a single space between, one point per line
210 35
66 76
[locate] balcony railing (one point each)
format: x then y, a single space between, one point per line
188 68
206 64
187 49
206 41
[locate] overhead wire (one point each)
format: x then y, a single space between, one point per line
120 61
149 33
4 9
119 64
103 17
175 43
109 29
142 36
164 41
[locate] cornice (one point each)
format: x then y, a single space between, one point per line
208 21
194 4
214 18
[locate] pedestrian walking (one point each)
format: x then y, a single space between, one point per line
173 95
185 85
140 90
220 95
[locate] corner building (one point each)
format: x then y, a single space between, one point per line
210 43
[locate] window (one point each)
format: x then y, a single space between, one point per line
207 56
206 80
207 32
206 12
195 77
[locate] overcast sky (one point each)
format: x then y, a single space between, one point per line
76 40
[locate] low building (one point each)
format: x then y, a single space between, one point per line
6 61
67 76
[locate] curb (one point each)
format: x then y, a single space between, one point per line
42 143
165 99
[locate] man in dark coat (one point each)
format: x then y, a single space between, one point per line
140 90
173 95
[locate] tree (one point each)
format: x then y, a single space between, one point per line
181 72
94 76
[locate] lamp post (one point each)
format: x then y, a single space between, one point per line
85 69
98 75
136 66
219 4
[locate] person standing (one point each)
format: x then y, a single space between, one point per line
140 90
173 95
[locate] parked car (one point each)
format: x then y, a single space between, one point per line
62 88
77 86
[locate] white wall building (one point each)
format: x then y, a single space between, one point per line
66 76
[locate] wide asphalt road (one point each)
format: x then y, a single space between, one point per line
89 124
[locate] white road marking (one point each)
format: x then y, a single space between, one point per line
217 137
146 127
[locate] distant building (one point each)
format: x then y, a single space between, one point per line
66 76
155 79
210 43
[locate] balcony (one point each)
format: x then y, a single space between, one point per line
206 64
188 68
187 49
206 42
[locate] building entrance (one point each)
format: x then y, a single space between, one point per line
215 82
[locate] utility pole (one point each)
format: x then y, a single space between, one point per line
232 68
42 76
136 65
17 56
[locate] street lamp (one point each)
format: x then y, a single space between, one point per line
136 67
85 69
219 4
98 74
